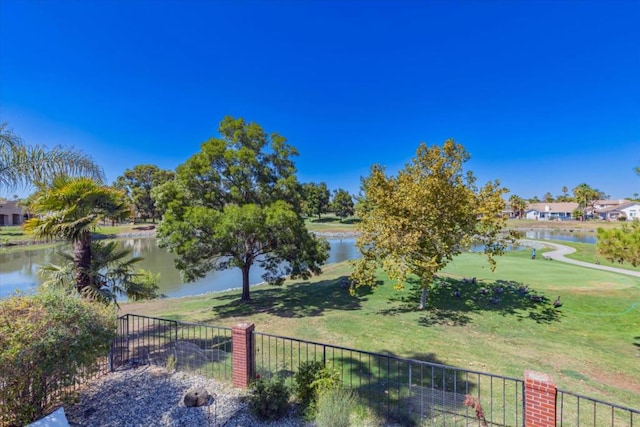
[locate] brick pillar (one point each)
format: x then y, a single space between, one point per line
243 362
539 400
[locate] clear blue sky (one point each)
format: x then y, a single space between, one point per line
542 94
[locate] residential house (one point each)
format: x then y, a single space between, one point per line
550 211
628 210
11 213
602 205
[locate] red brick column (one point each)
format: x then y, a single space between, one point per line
539 400
243 363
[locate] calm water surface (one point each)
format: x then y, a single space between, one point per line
18 270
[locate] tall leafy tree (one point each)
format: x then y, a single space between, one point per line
416 222
518 204
342 204
548 197
138 184
68 209
22 164
316 198
585 197
237 203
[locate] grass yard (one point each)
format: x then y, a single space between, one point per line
590 345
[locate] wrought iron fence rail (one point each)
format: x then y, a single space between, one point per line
195 347
401 387
574 409
389 356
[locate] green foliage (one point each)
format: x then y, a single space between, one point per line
237 203
45 340
342 204
316 198
311 380
171 363
22 164
138 183
334 408
304 378
415 223
69 209
112 273
269 398
586 196
518 205
621 244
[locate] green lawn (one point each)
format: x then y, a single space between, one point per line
590 345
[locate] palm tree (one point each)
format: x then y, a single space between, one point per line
518 205
22 164
112 271
68 209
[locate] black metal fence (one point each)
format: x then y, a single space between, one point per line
404 390
576 410
203 349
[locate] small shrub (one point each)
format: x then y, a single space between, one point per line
304 378
313 379
334 408
45 341
171 363
269 399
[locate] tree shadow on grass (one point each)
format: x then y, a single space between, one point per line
406 390
298 300
451 301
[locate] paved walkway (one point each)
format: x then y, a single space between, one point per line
562 250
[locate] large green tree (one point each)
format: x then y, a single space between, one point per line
237 203
413 224
342 204
69 209
138 183
22 164
316 198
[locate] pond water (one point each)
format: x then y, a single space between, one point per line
18 270
578 237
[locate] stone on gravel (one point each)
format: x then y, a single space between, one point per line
196 398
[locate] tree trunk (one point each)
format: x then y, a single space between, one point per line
82 260
245 283
423 298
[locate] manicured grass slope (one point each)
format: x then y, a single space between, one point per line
590 345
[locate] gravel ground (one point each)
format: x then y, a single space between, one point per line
151 396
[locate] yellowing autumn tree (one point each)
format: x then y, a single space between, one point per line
413 224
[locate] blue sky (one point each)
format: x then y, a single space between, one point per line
543 94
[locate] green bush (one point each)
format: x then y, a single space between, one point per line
312 379
304 378
45 340
269 399
334 407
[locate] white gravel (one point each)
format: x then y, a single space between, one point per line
151 396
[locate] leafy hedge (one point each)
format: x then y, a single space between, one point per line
45 340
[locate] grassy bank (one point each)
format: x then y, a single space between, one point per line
589 345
